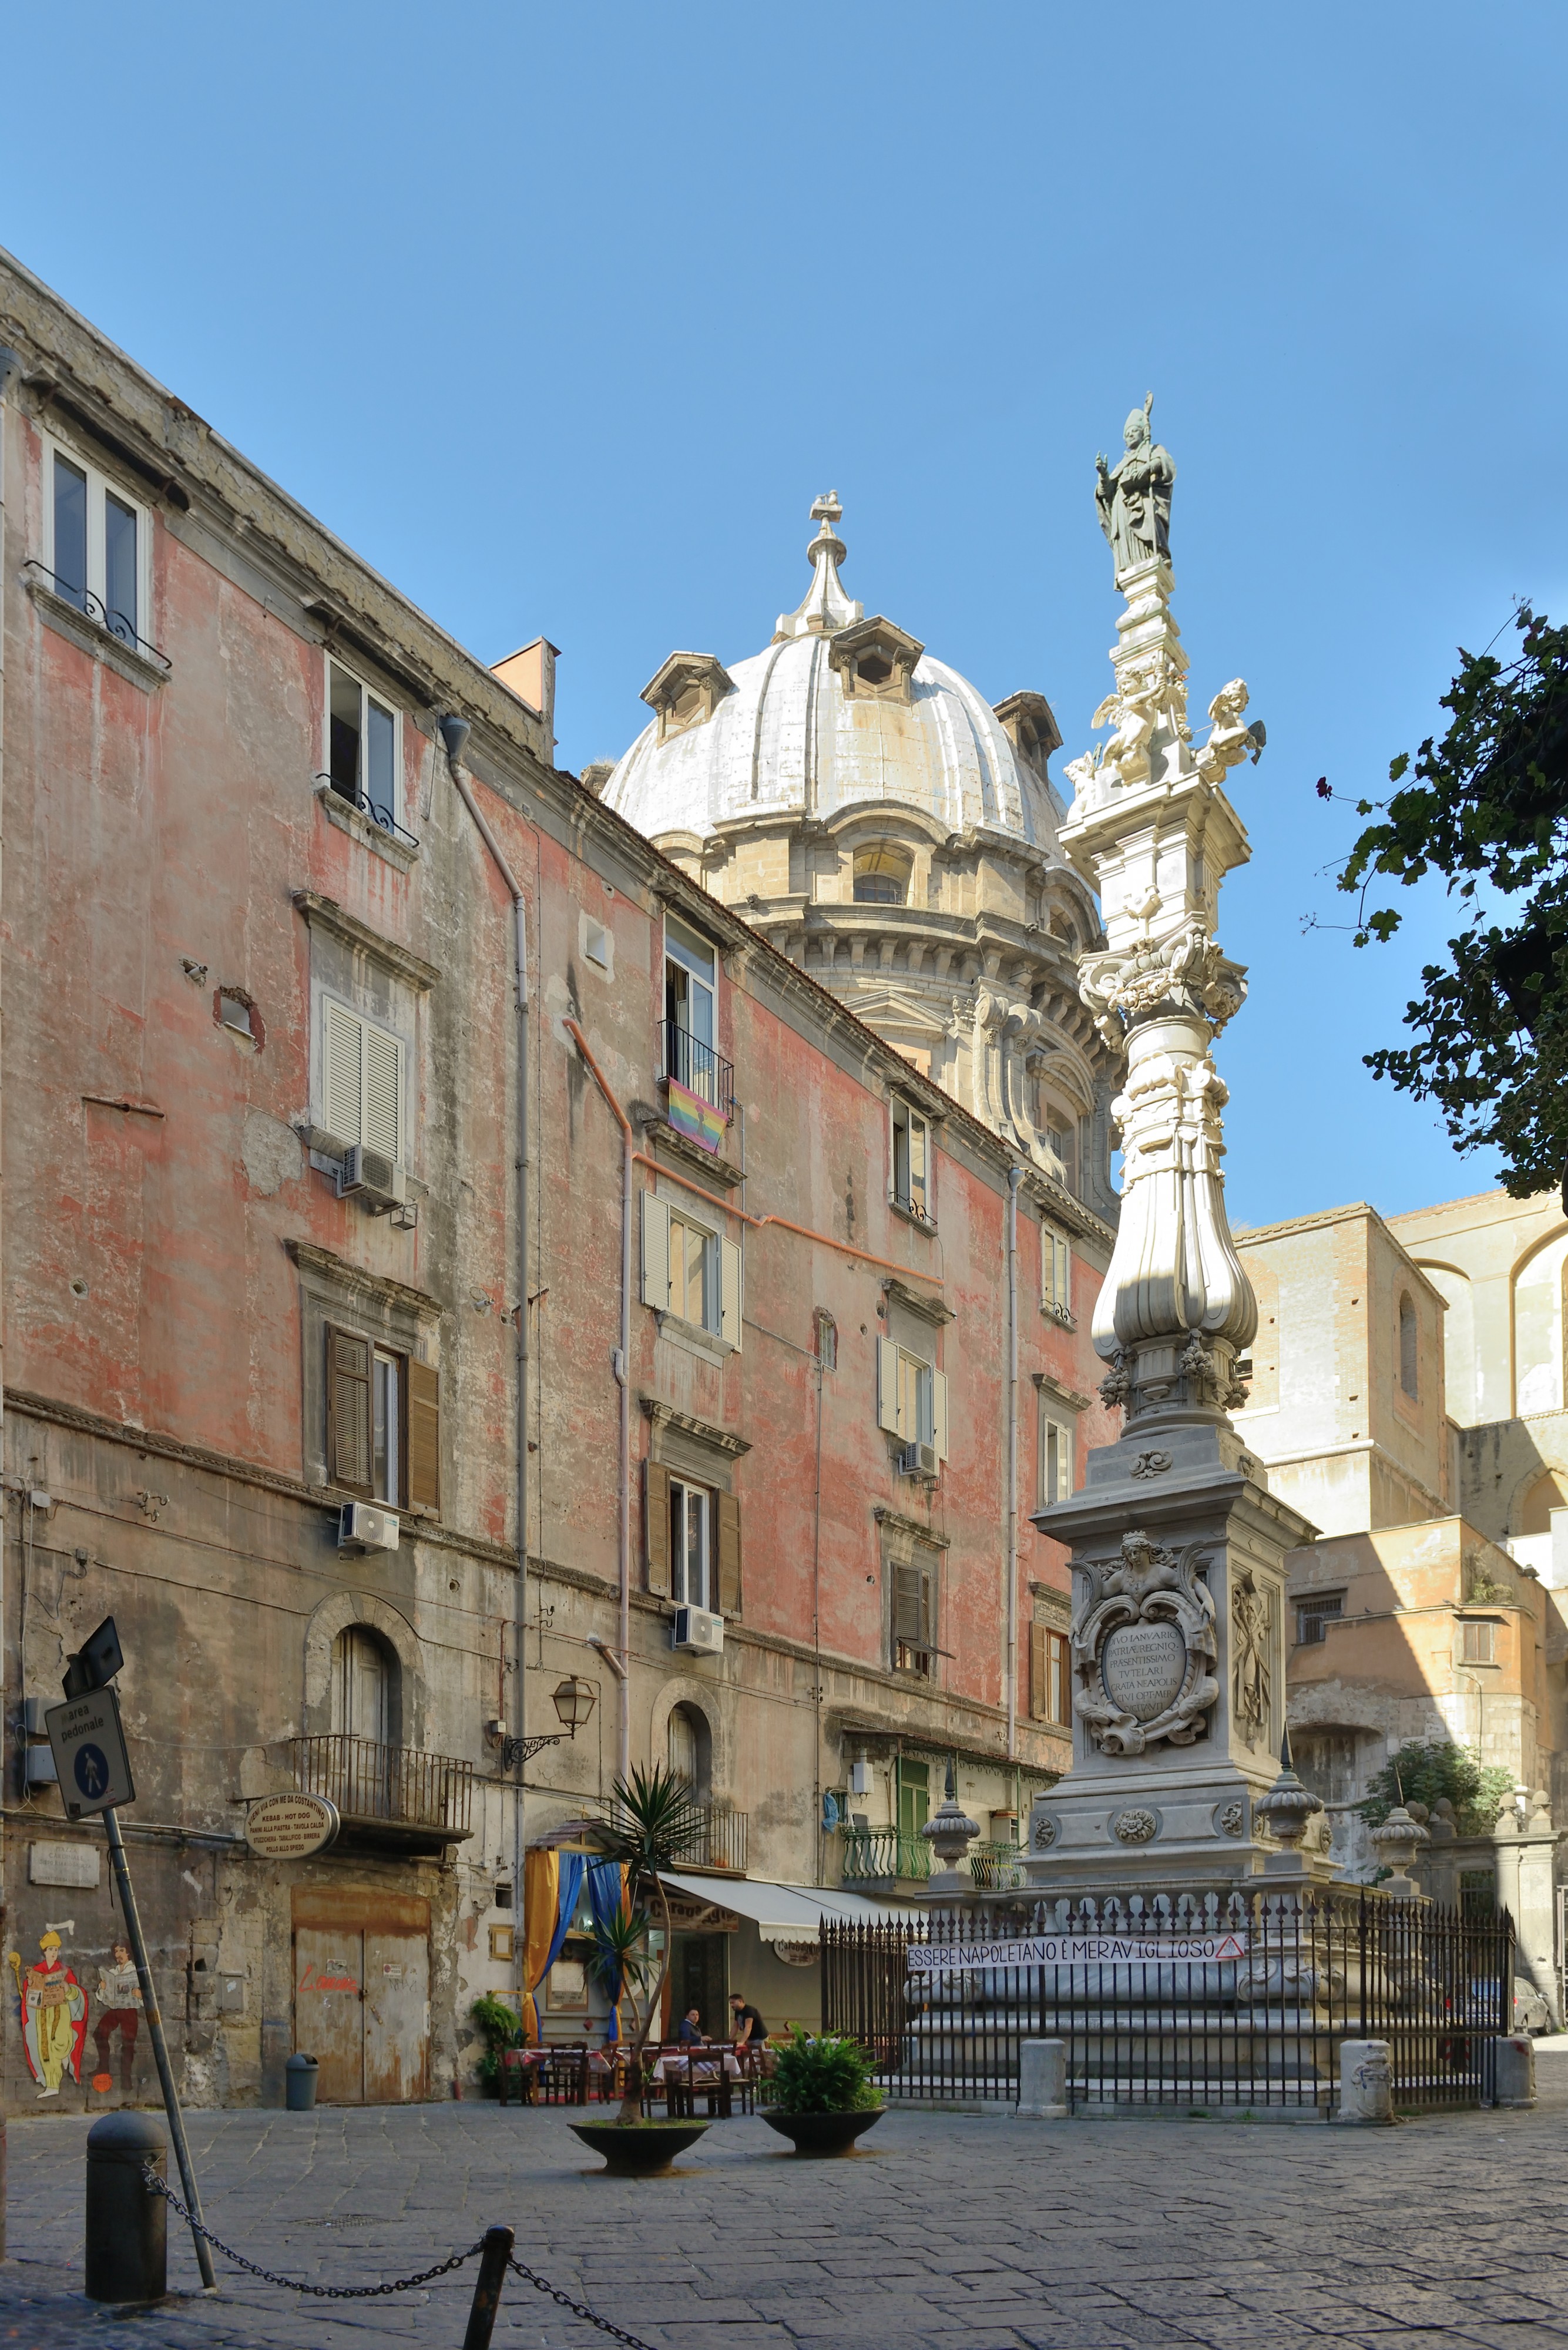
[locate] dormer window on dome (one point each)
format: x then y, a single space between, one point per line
876 660
1031 727
686 691
882 875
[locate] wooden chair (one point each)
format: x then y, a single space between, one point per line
563 2077
518 2080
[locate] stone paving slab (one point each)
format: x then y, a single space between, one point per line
947 2232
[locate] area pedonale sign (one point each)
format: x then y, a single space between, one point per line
1077 1950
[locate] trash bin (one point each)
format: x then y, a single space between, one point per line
300 2089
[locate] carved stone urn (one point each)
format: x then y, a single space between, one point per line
950 1833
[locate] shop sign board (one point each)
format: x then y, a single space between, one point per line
290 1827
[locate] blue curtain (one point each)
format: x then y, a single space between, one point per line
571 1886
606 1892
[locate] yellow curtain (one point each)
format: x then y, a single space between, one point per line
541 1894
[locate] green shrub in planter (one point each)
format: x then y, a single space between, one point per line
501 2028
824 2075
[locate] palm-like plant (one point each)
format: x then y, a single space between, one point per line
652 1822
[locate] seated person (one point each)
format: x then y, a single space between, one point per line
690 2032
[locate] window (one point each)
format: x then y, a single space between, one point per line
692 1536
1477 1644
1408 1379
1061 1135
362 1081
690 1271
911 1398
911 1160
361 746
1055 1457
1055 1274
1050 1685
1313 1614
881 874
97 545
690 1033
914 1796
383 1422
691 1746
914 1619
364 1682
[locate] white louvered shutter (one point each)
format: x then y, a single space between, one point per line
730 1292
341 1091
940 1413
383 1092
887 1386
655 1252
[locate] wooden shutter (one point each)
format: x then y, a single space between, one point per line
730 1292
729 1514
342 1042
348 1410
424 1437
940 1413
383 1125
1058 1694
909 1605
656 1522
1064 1461
917 1131
1039 1675
887 1386
655 1252
1063 1276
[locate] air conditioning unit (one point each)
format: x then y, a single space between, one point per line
361 1527
698 1632
918 1461
372 1177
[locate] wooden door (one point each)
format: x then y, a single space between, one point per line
397 2018
328 2023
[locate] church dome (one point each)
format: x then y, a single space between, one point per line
838 712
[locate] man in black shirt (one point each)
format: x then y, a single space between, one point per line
749 2028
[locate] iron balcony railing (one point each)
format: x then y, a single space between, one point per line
394 1784
996 1867
380 815
93 608
722 1841
883 1855
697 1067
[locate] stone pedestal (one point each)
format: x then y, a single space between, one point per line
1178 1655
1365 2081
1526 1854
1042 2081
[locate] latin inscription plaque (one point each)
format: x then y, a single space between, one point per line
1143 1667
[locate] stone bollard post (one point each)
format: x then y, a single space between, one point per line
1042 2081
127 2224
1365 2081
1514 2074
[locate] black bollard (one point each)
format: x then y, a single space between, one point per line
487 2287
127 2222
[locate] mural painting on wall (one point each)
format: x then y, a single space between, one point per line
120 2010
54 2009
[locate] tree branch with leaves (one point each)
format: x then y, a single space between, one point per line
1487 808
652 1822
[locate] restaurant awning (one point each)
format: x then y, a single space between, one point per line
784 1913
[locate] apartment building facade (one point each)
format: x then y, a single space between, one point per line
407 1374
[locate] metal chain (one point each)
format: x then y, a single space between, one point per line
577 2308
294 2285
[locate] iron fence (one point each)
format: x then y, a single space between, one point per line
1236 1998
395 1784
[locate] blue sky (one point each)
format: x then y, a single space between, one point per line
562 317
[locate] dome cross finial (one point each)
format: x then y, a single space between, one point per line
827 509
825 606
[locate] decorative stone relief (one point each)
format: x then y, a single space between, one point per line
1144 1647
1150 1464
1136 1826
1044 1832
1229 1819
1252 1660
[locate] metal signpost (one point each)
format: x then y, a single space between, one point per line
89 1747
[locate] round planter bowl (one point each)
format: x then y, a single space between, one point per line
825 2133
642 2151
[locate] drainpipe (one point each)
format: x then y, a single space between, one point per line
620 1363
1015 1176
454 735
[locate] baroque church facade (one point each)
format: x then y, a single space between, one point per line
864 808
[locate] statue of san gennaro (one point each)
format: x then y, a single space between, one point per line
1134 497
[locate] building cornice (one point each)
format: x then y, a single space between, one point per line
326 914
345 1274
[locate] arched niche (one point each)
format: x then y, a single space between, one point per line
393 1630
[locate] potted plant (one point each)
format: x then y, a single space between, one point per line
823 2094
501 2028
652 1822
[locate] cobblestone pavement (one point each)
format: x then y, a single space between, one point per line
958 2232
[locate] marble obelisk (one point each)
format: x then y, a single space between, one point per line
1178 1617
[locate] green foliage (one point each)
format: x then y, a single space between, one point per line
824 2075
502 2028
1441 1768
1487 808
652 1822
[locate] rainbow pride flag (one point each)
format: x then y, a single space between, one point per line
698 1120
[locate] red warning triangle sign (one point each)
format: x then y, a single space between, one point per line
1231 1948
